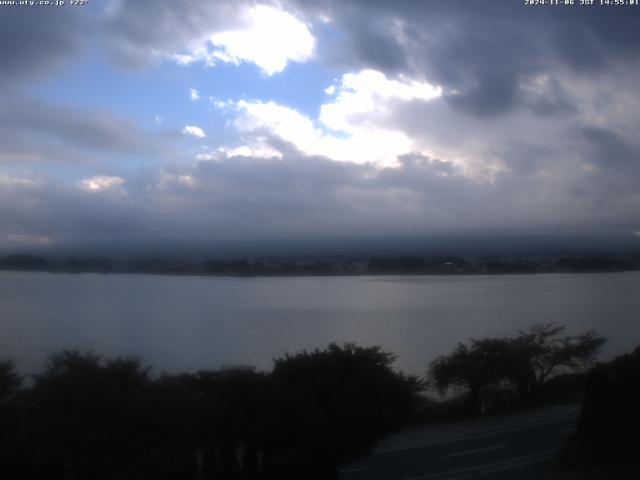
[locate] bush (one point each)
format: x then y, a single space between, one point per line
610 419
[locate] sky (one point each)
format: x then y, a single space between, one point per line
233 125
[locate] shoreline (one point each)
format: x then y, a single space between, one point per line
319 274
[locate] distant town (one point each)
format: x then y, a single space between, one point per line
328 265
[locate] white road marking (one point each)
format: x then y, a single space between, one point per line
469 452
480 435
517 464
496 466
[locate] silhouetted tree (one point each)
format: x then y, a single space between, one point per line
528 360
175 412
541 351
208 424
329 407
471 366
10 381
239 395
90 417
86 417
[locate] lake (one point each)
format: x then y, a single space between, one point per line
186 323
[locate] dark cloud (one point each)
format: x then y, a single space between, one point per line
136 31
82 127
372 45
299 199
552 98
614 163
36 40
493 93
484 49
611 151
527 158
62 215
35 130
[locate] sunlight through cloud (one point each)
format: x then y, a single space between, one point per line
268 37
369 91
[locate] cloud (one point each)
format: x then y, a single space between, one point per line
348 128
612 162
368 91
33 130
100 183
445 118
265 120
483 51
270 38
305 199
258 148
230 32
139 32
88 128
7 181
36 41
193 131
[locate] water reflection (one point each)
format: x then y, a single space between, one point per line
189 323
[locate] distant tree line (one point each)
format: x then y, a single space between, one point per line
86 417
417 265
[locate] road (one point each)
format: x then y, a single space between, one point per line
518 451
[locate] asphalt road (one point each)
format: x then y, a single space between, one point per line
515 452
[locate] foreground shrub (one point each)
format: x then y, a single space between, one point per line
610 420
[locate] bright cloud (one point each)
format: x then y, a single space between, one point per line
257 148
266 36
194 94
369 91
270 39
193 131
374 145
359 98
100 183
284 122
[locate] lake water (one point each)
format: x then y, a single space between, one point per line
190 323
